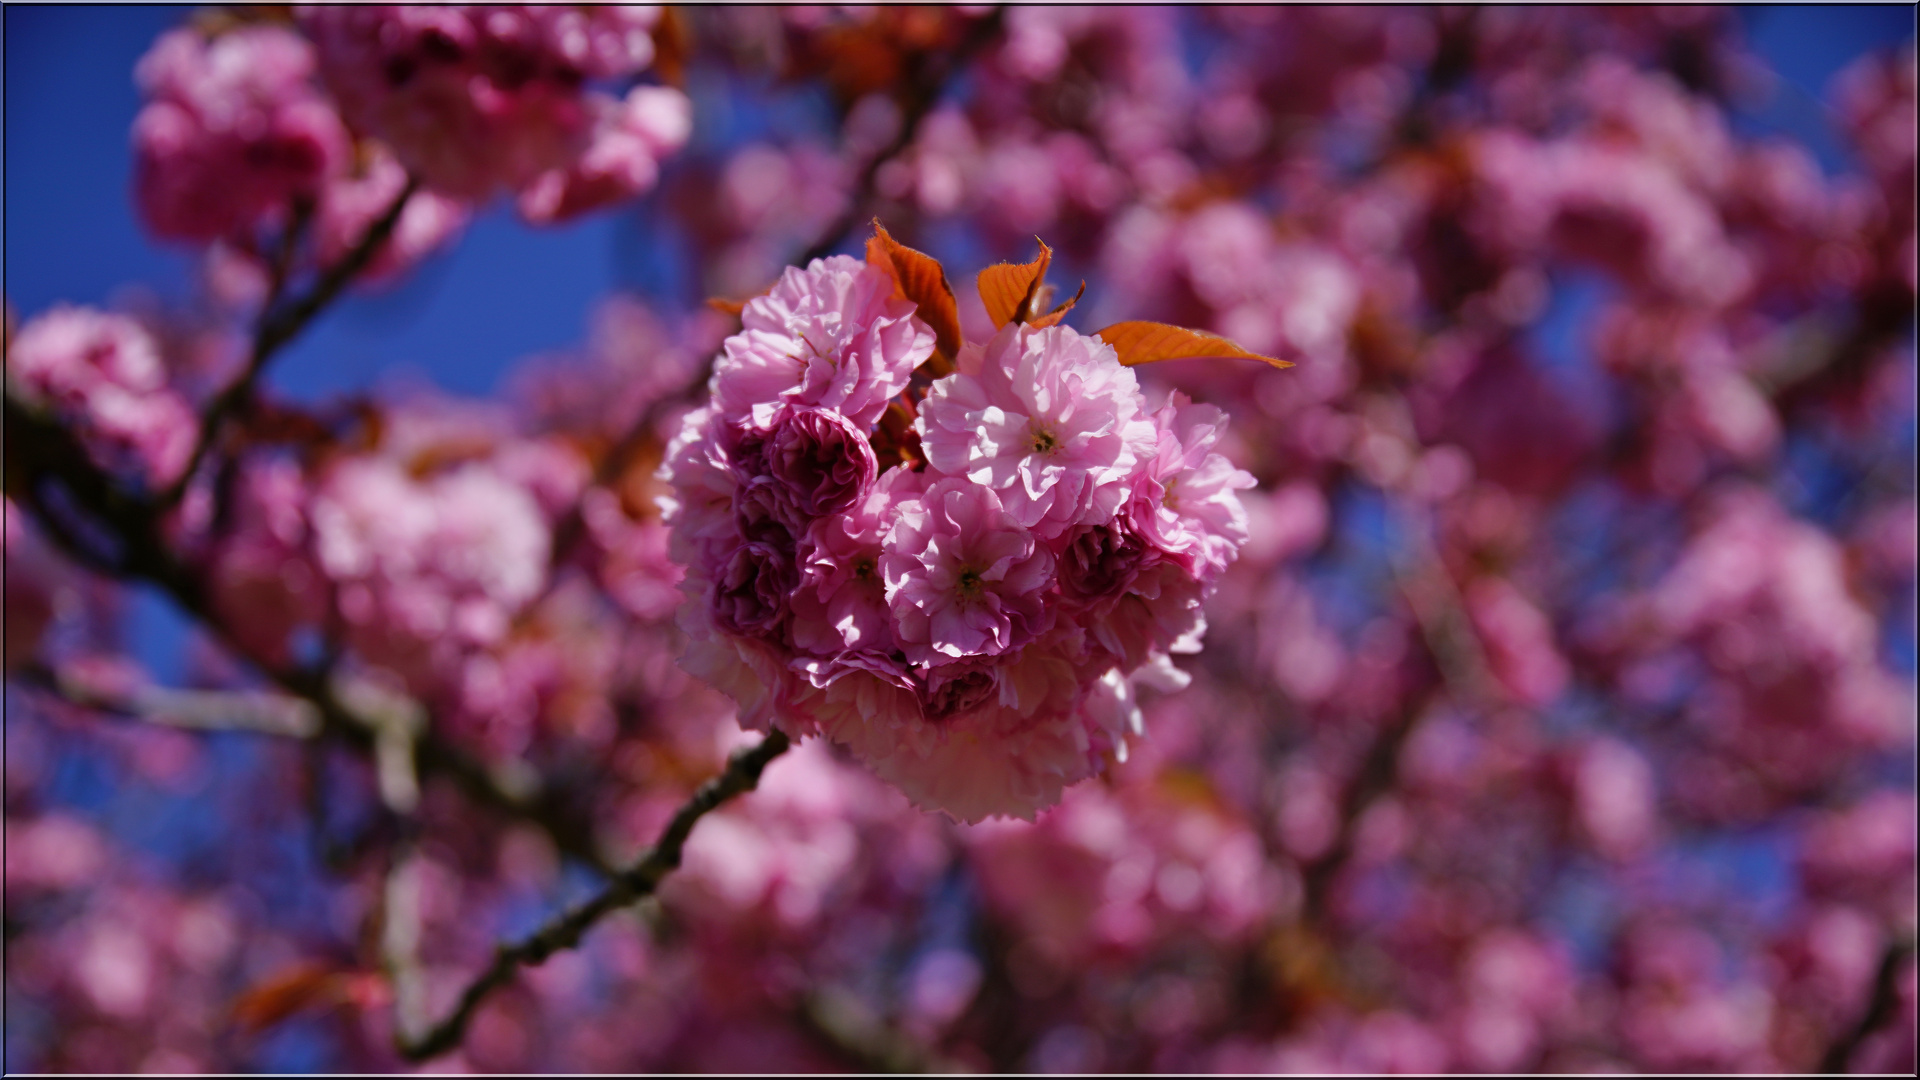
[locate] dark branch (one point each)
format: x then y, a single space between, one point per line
279 325
46 453
1885 998
741 775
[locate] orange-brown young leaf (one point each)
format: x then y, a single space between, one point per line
1145 342
277 997
1052 318
1008 290
734 307
919 277
671 48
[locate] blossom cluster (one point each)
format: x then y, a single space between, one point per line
969 624
266 122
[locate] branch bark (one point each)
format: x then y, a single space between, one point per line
1880 1006
279 325
741 775
259 712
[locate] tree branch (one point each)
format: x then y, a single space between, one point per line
741 775
276 328
262 713
43 450
1886 998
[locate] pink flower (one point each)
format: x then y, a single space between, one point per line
1133 598
352 202
622 161
105 373
1103 562
233 131
700 510
841 605
963 577
764 511
1121 869
475 99
426 570
825 462
1011 753
914 616
832 336
1048 419
263 579
751 591
1185 497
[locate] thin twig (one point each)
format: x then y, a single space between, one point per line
741 775
922 93
571 527
836 1018
400 901
258 712
1885 998
276 328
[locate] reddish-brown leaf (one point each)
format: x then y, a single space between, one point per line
734 307
894 440
1052 318
1009 290
1145 342
671 48
272 1000
919 277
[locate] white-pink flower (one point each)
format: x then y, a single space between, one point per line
1185 495
832 336
233 130
963 577
1049 420
104 373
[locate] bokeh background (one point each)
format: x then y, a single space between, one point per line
160 885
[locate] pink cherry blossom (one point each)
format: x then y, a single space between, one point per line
479 99
1049 420
355 199
822 458
623 160
1185 497
831 335
841 605
964 578
234 131
105 372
